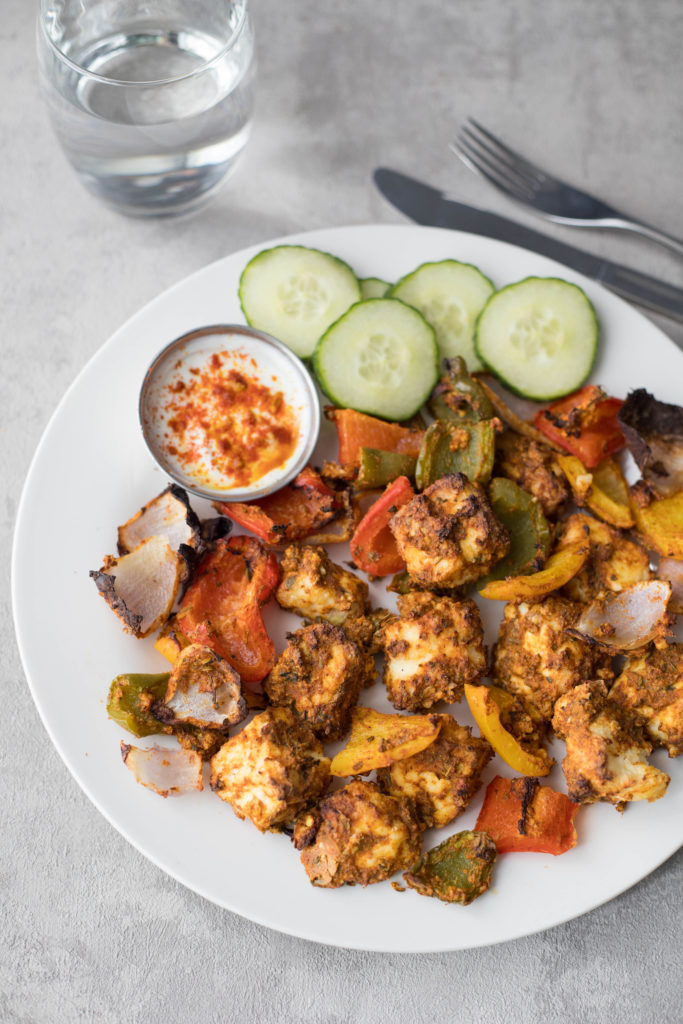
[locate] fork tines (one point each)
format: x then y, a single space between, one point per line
482 152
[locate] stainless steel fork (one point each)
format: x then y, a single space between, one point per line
523 181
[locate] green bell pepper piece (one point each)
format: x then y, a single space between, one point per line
124 704
450 447
457 870
379 468
459 396
523 517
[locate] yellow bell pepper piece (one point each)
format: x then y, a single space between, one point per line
487 703
604 490
559 569
661 523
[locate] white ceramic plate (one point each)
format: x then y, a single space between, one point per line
92 471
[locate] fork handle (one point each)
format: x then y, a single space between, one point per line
628 224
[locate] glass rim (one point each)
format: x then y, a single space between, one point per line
84 72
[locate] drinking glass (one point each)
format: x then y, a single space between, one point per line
151 100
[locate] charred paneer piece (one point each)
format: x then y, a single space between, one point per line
536 659
440 781
271 769
316 588
606 749
366 630
448 535
320 675
433 648
651 688
359 835
532 466
614 563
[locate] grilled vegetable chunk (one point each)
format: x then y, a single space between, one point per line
377 740
614 562
606 751
440 781
504 722
141 587
320 674
316 588
363 836
537 660
532 467
523 518
450 448
457 870
130 698
203 690
271 769
448 535
523 817
651 688
432 650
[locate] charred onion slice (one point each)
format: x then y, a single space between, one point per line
203 690
168 515
141 587
671 570
654 435
627 620
515 422
167 772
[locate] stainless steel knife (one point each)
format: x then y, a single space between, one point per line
427 205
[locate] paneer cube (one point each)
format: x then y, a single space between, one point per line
316 588
615 562
651 688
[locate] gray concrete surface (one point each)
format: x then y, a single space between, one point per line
91 931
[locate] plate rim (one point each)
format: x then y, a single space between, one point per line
299 237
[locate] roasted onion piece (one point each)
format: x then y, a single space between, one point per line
654 435
167 772
627 620
203 690
671 570
141 587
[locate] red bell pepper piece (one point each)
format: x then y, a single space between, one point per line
292 513
222 606
584 424
373 547
521 815
356 430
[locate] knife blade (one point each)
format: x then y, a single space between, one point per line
427 205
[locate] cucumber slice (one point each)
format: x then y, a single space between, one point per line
380 358
373 287
539 336
450 295
295 293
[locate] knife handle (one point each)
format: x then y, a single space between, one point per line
652 294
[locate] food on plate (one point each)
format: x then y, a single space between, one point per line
560 567
585 424
379 468
203 690
373 287
432 649
650 686
654 435
632 618
316 588
377 740
439 781
538 336
510 418
294 512
373 546
356 431
459 396
449 447
359 836
537 660
141 587
169 515
529 530
448 534
671 570
271 770
380 357
222 606
659 521
366 630
603 490
131 696
520 815
450 295
458 870
606 749
167 772
320 675
533 466
295 293
614 562
505 723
